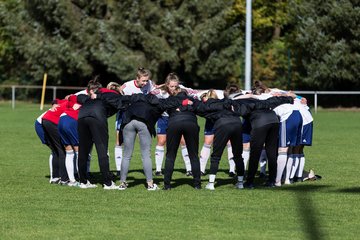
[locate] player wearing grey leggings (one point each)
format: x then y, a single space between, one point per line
131 129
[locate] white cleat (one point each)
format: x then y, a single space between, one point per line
111 187
210 186
87 185
239 185
154 187
123 186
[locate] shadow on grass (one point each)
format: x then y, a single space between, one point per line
354 190
310 216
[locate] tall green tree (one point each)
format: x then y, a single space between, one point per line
77 39
327 37
270 49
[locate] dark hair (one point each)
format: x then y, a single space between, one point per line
231 89
93 84
258 88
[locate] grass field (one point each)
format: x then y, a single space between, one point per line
31 208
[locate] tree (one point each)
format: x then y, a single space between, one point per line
327 39
270 49
78 39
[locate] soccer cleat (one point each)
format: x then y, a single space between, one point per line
210 186
123 186
202 173
111 187
297 179
73 184
269 184
158 173
154 187
287 182
54 181
232 174
189 173
167 188
118 173
64 183
248 185
239 185
87 185
277 184
262 175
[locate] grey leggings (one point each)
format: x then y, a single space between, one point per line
130 131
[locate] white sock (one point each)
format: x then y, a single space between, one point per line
262 161
240 178
50 165
159 157
204 156
118 157
281 163
212 178
246 156
69 164
230 158
295 165
301 165
289 165
186 158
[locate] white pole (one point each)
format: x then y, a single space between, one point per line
13 97
248 46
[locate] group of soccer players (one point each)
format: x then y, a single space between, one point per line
266 122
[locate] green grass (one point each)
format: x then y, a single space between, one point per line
31 208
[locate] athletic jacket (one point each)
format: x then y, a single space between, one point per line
96 108
261 112
54 115
144 108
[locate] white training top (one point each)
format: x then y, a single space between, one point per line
39 119
283 111
304 111
302 108
81 92
130 88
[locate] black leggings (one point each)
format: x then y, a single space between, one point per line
227 129
92 131
190 131
267 135
54 142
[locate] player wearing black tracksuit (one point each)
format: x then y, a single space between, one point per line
93 129
264 130
181 123
227 126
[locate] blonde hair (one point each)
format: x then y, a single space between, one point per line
209 94
143 72
212 94
114 86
